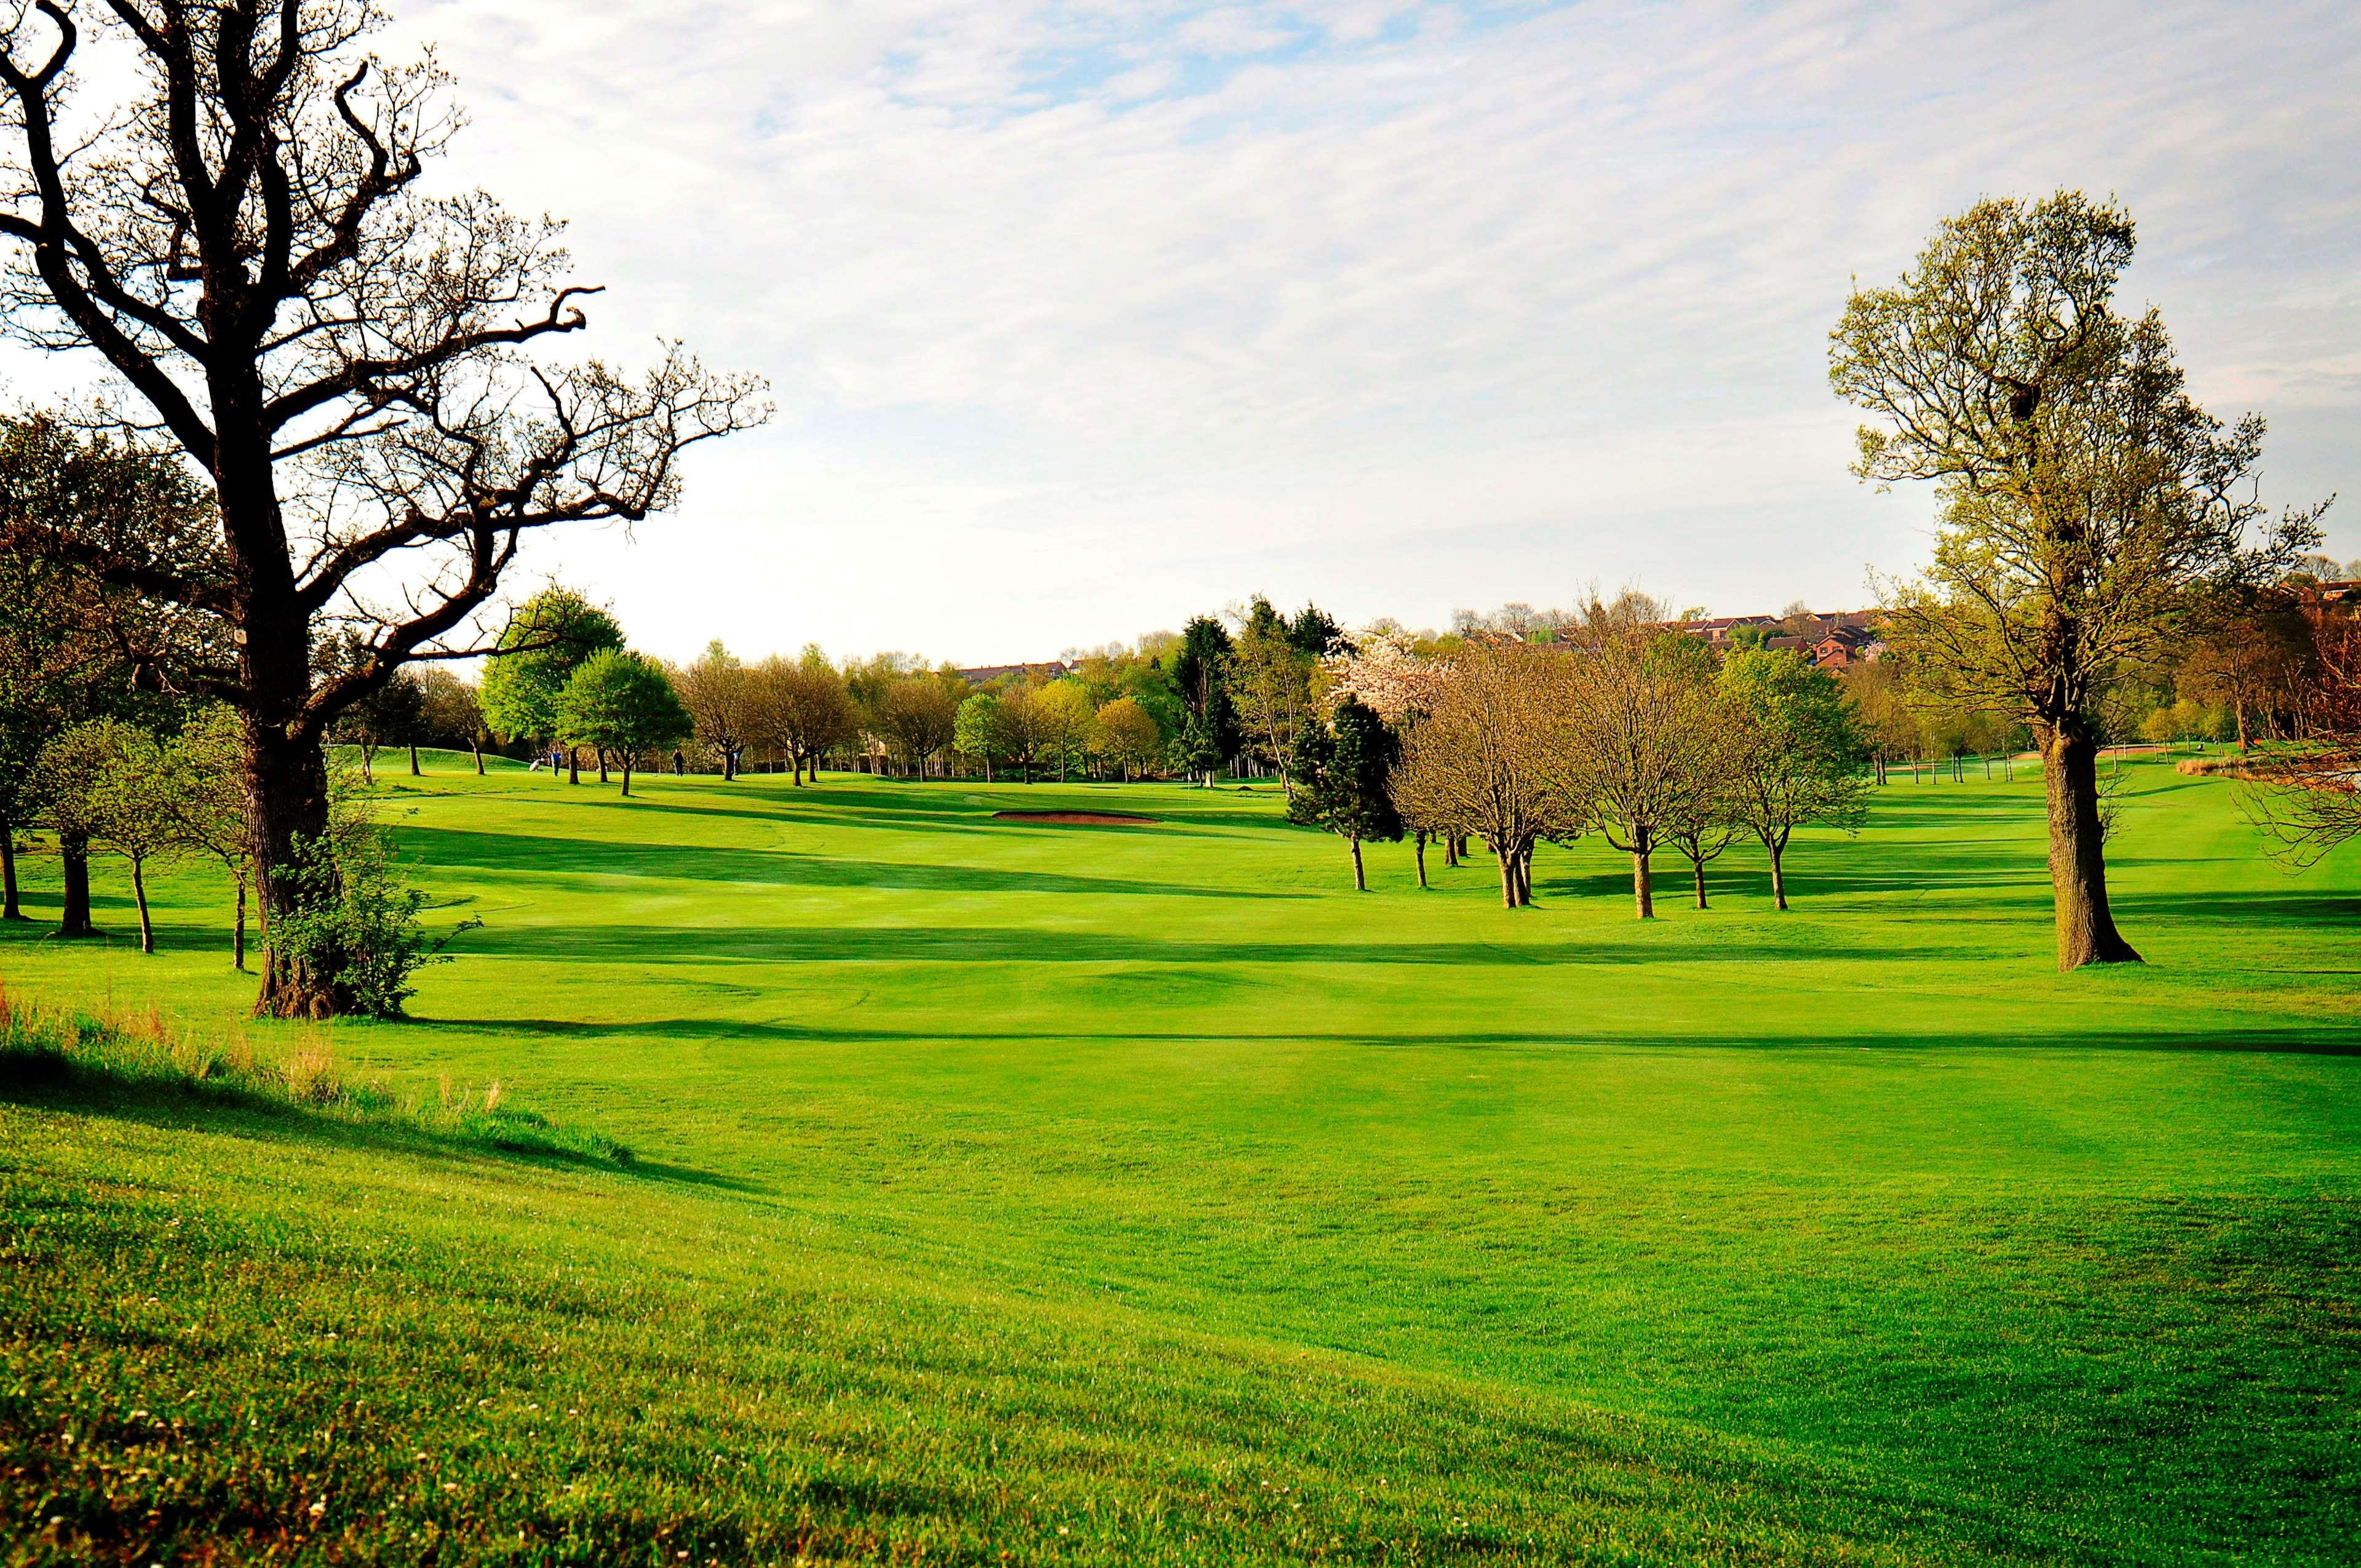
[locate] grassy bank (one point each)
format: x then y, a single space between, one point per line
998 1177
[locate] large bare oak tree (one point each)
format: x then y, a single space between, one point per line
2085 495
245 237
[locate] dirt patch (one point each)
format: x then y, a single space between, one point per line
1082 818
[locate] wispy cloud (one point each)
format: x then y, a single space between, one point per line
1085 316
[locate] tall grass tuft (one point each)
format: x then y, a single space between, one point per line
146 1053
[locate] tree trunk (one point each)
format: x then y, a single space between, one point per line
1525 874
1778 846
602 766
1421 862
476 746
573 764
139 896
1696 864
237 938
73 855
2078 864
1450 851
1360 878
413 762
369 760
1507 858
14 908
627 776
1642 891
2245 736
287 806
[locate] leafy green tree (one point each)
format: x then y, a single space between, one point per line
450 713
73 647
623 704
979 733
543 643
1128 733
1269 679
106 783
1341 770
2084 493
1797 754
360 920
1061 718
208 803
393 714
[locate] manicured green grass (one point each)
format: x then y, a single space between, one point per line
1110 1194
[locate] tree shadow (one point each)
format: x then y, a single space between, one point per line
60 1084
469 849
648 945
2248 1042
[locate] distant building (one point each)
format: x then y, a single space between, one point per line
1832 640
984 675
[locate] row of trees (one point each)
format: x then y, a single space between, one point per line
1617 728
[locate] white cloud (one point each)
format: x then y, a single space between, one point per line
1086 316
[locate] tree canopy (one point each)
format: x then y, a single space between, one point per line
2084 493
622 702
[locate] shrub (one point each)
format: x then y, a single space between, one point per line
358 921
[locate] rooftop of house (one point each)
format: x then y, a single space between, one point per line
985 675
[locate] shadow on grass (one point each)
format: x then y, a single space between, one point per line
41 1082
2244 1042
455 846
650 945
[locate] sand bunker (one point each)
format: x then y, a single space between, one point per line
1081 819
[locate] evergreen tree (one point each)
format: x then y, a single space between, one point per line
1341 770
1199 667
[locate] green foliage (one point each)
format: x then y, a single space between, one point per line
1340 771
622 702
2085 494
1128 733
1796 750
548 640
1198 667
1062 718
978 732
357 922
393 714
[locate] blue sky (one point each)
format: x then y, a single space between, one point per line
1084 317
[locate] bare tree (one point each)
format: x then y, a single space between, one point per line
244 242
451 713
2307 801
802 708
1641 750
919 713
718 692
1473 756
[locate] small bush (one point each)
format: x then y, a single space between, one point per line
359 921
